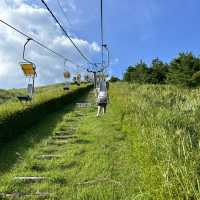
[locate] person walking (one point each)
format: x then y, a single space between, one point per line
102 98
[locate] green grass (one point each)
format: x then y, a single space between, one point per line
11 94
6 95
145 147
15 117
162 125
13 151
42 94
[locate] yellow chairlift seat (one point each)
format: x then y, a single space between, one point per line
28 69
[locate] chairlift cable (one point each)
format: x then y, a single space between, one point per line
64 13
39 43
65 32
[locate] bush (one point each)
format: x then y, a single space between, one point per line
114 79
196 79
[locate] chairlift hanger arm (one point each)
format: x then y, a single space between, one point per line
24 50
32 65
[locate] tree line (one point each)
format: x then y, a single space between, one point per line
183 70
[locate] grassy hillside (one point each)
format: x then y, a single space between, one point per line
15 117
161 125
146 147
6 95
11 94
42 94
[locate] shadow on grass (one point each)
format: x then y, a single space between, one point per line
14 150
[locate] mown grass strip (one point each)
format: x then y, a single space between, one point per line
54 169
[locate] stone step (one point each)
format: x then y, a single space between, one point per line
29 178
77 113
63 137
62 133
83 104
70 120
68 128
58 142
71 126
18 195
49 151
43 157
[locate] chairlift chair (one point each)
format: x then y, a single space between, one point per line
76 80
29 70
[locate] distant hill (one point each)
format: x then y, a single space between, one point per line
6 95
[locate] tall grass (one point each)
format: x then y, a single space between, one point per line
162 123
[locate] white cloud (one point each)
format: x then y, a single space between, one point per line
36 21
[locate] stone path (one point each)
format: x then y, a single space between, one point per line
48 152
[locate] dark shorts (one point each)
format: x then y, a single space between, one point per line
102 104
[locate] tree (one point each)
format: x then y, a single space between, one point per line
114 79
141 72
158 72
195 79
137 73
127 75
182 69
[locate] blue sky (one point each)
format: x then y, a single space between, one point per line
145 29
134 30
